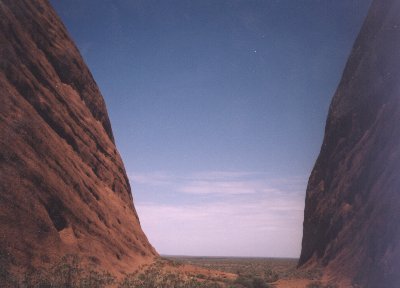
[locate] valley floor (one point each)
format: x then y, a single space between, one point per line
278 272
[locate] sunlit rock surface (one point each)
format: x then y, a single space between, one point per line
63 187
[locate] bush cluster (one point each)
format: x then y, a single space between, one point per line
248 281
154 277
67 273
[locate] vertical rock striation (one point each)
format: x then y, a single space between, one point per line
63 187
351 218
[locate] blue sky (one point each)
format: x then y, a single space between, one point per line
218 109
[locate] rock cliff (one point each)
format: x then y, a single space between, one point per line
352 212
63 187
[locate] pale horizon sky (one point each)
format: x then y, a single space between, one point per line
218 109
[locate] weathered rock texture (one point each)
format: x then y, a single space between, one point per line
63 187
351 219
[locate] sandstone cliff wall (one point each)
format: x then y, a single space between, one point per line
352 212
63 187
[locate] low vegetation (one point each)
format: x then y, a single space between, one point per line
269 270
250 282
317 284
69 273
157 275
252 273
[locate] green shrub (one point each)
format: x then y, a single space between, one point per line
245 281
259 283
251 282
271 276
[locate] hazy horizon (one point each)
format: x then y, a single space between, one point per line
218 109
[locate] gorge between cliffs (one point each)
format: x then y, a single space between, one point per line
240 86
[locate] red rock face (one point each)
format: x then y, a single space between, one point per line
63 187
351 219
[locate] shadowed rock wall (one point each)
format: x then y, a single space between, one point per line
352 212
